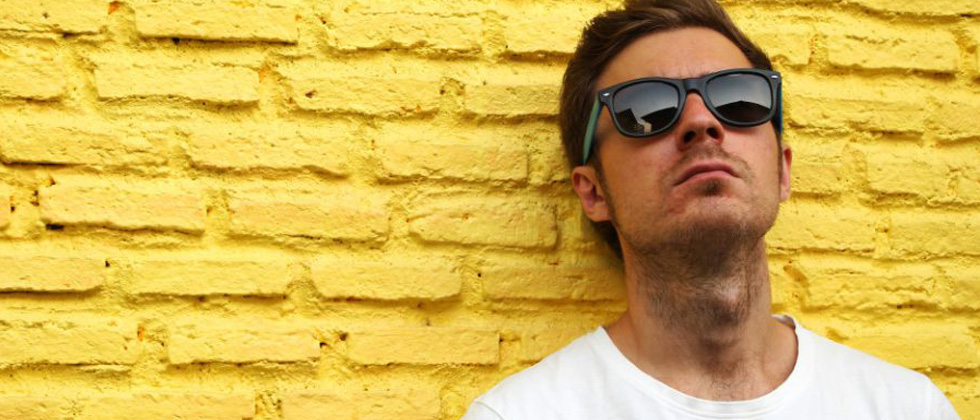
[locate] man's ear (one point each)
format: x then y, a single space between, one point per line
786 160
586 183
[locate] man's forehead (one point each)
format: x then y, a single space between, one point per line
679 53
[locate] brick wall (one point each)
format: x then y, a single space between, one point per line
279 209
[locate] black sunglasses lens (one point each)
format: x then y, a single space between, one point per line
742 97
644 108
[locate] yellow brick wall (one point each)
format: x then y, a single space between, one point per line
357 209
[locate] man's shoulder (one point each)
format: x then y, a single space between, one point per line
832 356
554 379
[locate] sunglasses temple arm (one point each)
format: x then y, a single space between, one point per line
779 110
590 131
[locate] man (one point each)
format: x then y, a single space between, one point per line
671 118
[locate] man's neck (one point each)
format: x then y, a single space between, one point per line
705 330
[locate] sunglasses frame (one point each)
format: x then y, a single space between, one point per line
683 88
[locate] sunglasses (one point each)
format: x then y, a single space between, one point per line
650 106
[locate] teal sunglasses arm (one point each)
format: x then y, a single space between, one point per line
590 131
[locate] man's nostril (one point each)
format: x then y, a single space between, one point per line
689 136
713 132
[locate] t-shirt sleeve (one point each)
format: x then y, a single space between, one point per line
481 411
940 408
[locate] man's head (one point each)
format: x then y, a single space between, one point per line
641 185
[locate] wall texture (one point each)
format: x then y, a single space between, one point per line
358 209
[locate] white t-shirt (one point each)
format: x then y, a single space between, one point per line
590 379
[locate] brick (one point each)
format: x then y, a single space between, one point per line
866 285
968 187
64 16
424 346
956 118
70 140
923 7
909 49
854 103
220 85
539 342
246 147
191 275
124 204
31 74
513 100
337 213
486 221
172 405
818 226
241 342
935 234
920 345
6 204
818 169
405 277
406 29
914 171
965 283
477 155
362 89
221 20
547 281
377 404
71 340
24 407
786 41
546 28
50 273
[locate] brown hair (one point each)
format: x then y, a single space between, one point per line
608 34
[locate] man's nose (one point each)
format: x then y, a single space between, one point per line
697 123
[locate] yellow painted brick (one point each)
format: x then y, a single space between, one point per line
73 340
131 79
405 29
818 168
855 102
424 346
819 226
362 89
513 100
835 282
965 280
935 51
546 28
935 233
539 342
339 213
68 16
31 73
923 7
920 345
207 275
546 281
33 407
6 205
786 290
404 277
968 187
50 273
471 154
912 171
489 221
123 204
222 20
246 147
240 341
73 140
408 403
781 39
166 406
956 117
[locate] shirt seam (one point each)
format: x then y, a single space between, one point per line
488 407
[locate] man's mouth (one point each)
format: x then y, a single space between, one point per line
704 170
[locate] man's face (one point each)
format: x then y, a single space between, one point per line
647 190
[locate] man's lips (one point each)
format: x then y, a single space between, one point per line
704 167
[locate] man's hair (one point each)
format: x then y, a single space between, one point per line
604 38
